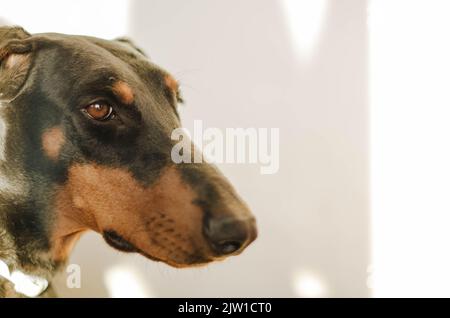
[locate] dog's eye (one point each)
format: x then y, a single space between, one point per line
99 111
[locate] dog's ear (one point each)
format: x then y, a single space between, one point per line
130 43
15 60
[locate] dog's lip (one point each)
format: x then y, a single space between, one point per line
118 242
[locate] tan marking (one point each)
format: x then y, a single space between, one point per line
160 220
52 142
124 92
171 83
63 246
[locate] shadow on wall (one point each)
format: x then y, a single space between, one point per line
239 67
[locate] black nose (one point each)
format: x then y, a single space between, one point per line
228 235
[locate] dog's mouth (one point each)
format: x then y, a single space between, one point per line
118 242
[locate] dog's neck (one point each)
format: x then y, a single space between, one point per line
24 241
21 277
24 270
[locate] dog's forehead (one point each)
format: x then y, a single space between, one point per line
90 54
84 62
88 44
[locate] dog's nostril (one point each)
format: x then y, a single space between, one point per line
226 235
228 247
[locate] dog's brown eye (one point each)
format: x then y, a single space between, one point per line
99 111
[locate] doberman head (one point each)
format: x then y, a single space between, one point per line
86 126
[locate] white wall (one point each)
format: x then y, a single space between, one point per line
410 110
103 18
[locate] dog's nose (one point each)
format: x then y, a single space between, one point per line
227 235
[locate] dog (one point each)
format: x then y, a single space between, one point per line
86 145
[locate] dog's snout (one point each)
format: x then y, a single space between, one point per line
227 235
228 226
